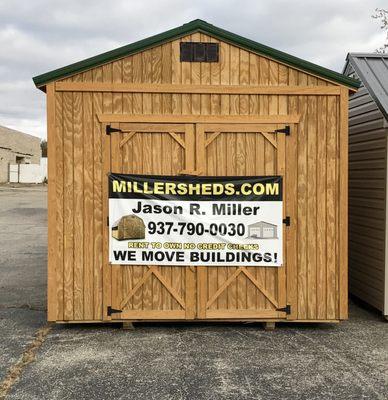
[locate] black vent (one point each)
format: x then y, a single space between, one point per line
199 52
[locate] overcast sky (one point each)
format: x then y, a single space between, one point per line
37 36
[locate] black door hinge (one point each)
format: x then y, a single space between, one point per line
286 309
287 221
285 130
110 130
107 221
111 311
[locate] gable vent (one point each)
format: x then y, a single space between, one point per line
199 52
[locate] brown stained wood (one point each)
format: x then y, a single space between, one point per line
302 210
224 286
97 200
291 196
197 89
137 271
116 164
150 315
261 288
186 80
176 77
167 286
53 264
88 238
241 281
138 285
273 162
205 80
215 79
78 165
128 136
214 119
281 271
343 206
58 234
211 169
68 206
321 206
196 80
269 326
166 77
312 209
331 195
177 138
224 76
154 87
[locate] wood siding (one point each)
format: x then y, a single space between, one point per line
314 153
367 199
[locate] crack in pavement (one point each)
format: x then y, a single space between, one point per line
26 358
22 307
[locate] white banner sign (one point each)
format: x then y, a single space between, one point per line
214 221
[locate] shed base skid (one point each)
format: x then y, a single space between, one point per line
117 321
128 326
269 326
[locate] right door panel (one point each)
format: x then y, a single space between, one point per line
241 292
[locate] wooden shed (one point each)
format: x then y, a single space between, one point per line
197 100
368 132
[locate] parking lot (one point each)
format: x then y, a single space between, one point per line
166 361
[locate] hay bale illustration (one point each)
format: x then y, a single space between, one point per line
128 227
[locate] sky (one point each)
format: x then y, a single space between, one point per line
37 36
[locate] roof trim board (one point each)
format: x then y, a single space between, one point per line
186 29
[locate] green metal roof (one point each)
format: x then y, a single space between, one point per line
186 29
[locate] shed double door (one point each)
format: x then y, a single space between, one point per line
204 292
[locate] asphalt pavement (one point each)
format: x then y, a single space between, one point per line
166 361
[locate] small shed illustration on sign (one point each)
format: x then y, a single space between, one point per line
263 230
128 227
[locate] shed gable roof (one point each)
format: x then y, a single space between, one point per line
191 27
262 224
372 69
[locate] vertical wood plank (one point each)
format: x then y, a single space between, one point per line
97 201
202 293
176 76
331 160
196 79
186 79
291 203
68 205
53 261
312 206
117 271
78 165
321 207
234 78
107 103
167 77
215 78
205 80
59 206
302 204
88 238
343 204
224 75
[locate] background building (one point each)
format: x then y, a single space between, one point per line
368 151
17 148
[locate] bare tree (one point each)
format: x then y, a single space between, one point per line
382 15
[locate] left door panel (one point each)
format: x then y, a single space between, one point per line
148 292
